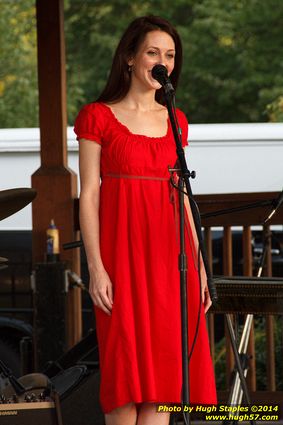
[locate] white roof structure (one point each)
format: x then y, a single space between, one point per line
227 158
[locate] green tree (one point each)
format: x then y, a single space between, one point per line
233 60
18 73
232 70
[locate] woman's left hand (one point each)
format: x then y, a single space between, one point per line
206 300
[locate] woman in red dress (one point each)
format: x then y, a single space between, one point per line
128 223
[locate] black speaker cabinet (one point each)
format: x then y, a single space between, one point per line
49 312
78 389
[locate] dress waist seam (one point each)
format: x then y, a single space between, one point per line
130 176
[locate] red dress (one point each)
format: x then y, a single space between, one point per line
140 344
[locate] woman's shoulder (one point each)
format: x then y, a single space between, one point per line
94 108
90 122
181 116
93 112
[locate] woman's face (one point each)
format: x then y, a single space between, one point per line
158 47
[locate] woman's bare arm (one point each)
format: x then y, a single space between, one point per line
204 288
100 286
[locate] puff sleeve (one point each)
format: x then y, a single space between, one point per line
89 123
183 123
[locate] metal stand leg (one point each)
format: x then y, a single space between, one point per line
241 372
239 386
237 392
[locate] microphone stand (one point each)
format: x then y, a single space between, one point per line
184 177
186 174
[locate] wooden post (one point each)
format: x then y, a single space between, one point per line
210 316
228 271
55 183
248 271
269 321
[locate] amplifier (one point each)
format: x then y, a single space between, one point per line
36 413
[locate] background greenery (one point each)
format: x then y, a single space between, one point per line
233 65
260 350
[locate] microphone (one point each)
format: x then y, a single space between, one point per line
276 204
159 73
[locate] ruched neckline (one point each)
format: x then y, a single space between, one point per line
130 133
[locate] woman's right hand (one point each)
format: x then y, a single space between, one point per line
101 290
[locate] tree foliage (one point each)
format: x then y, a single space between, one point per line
234 65
18 75
232 70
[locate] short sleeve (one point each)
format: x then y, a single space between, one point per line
89 123
183 123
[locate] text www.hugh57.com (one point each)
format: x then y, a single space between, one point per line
245 417
242 413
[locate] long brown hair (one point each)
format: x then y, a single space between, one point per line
119 80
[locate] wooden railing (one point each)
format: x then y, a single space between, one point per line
245 219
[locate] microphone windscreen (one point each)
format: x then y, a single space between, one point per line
159 71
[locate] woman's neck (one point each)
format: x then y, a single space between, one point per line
140 101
